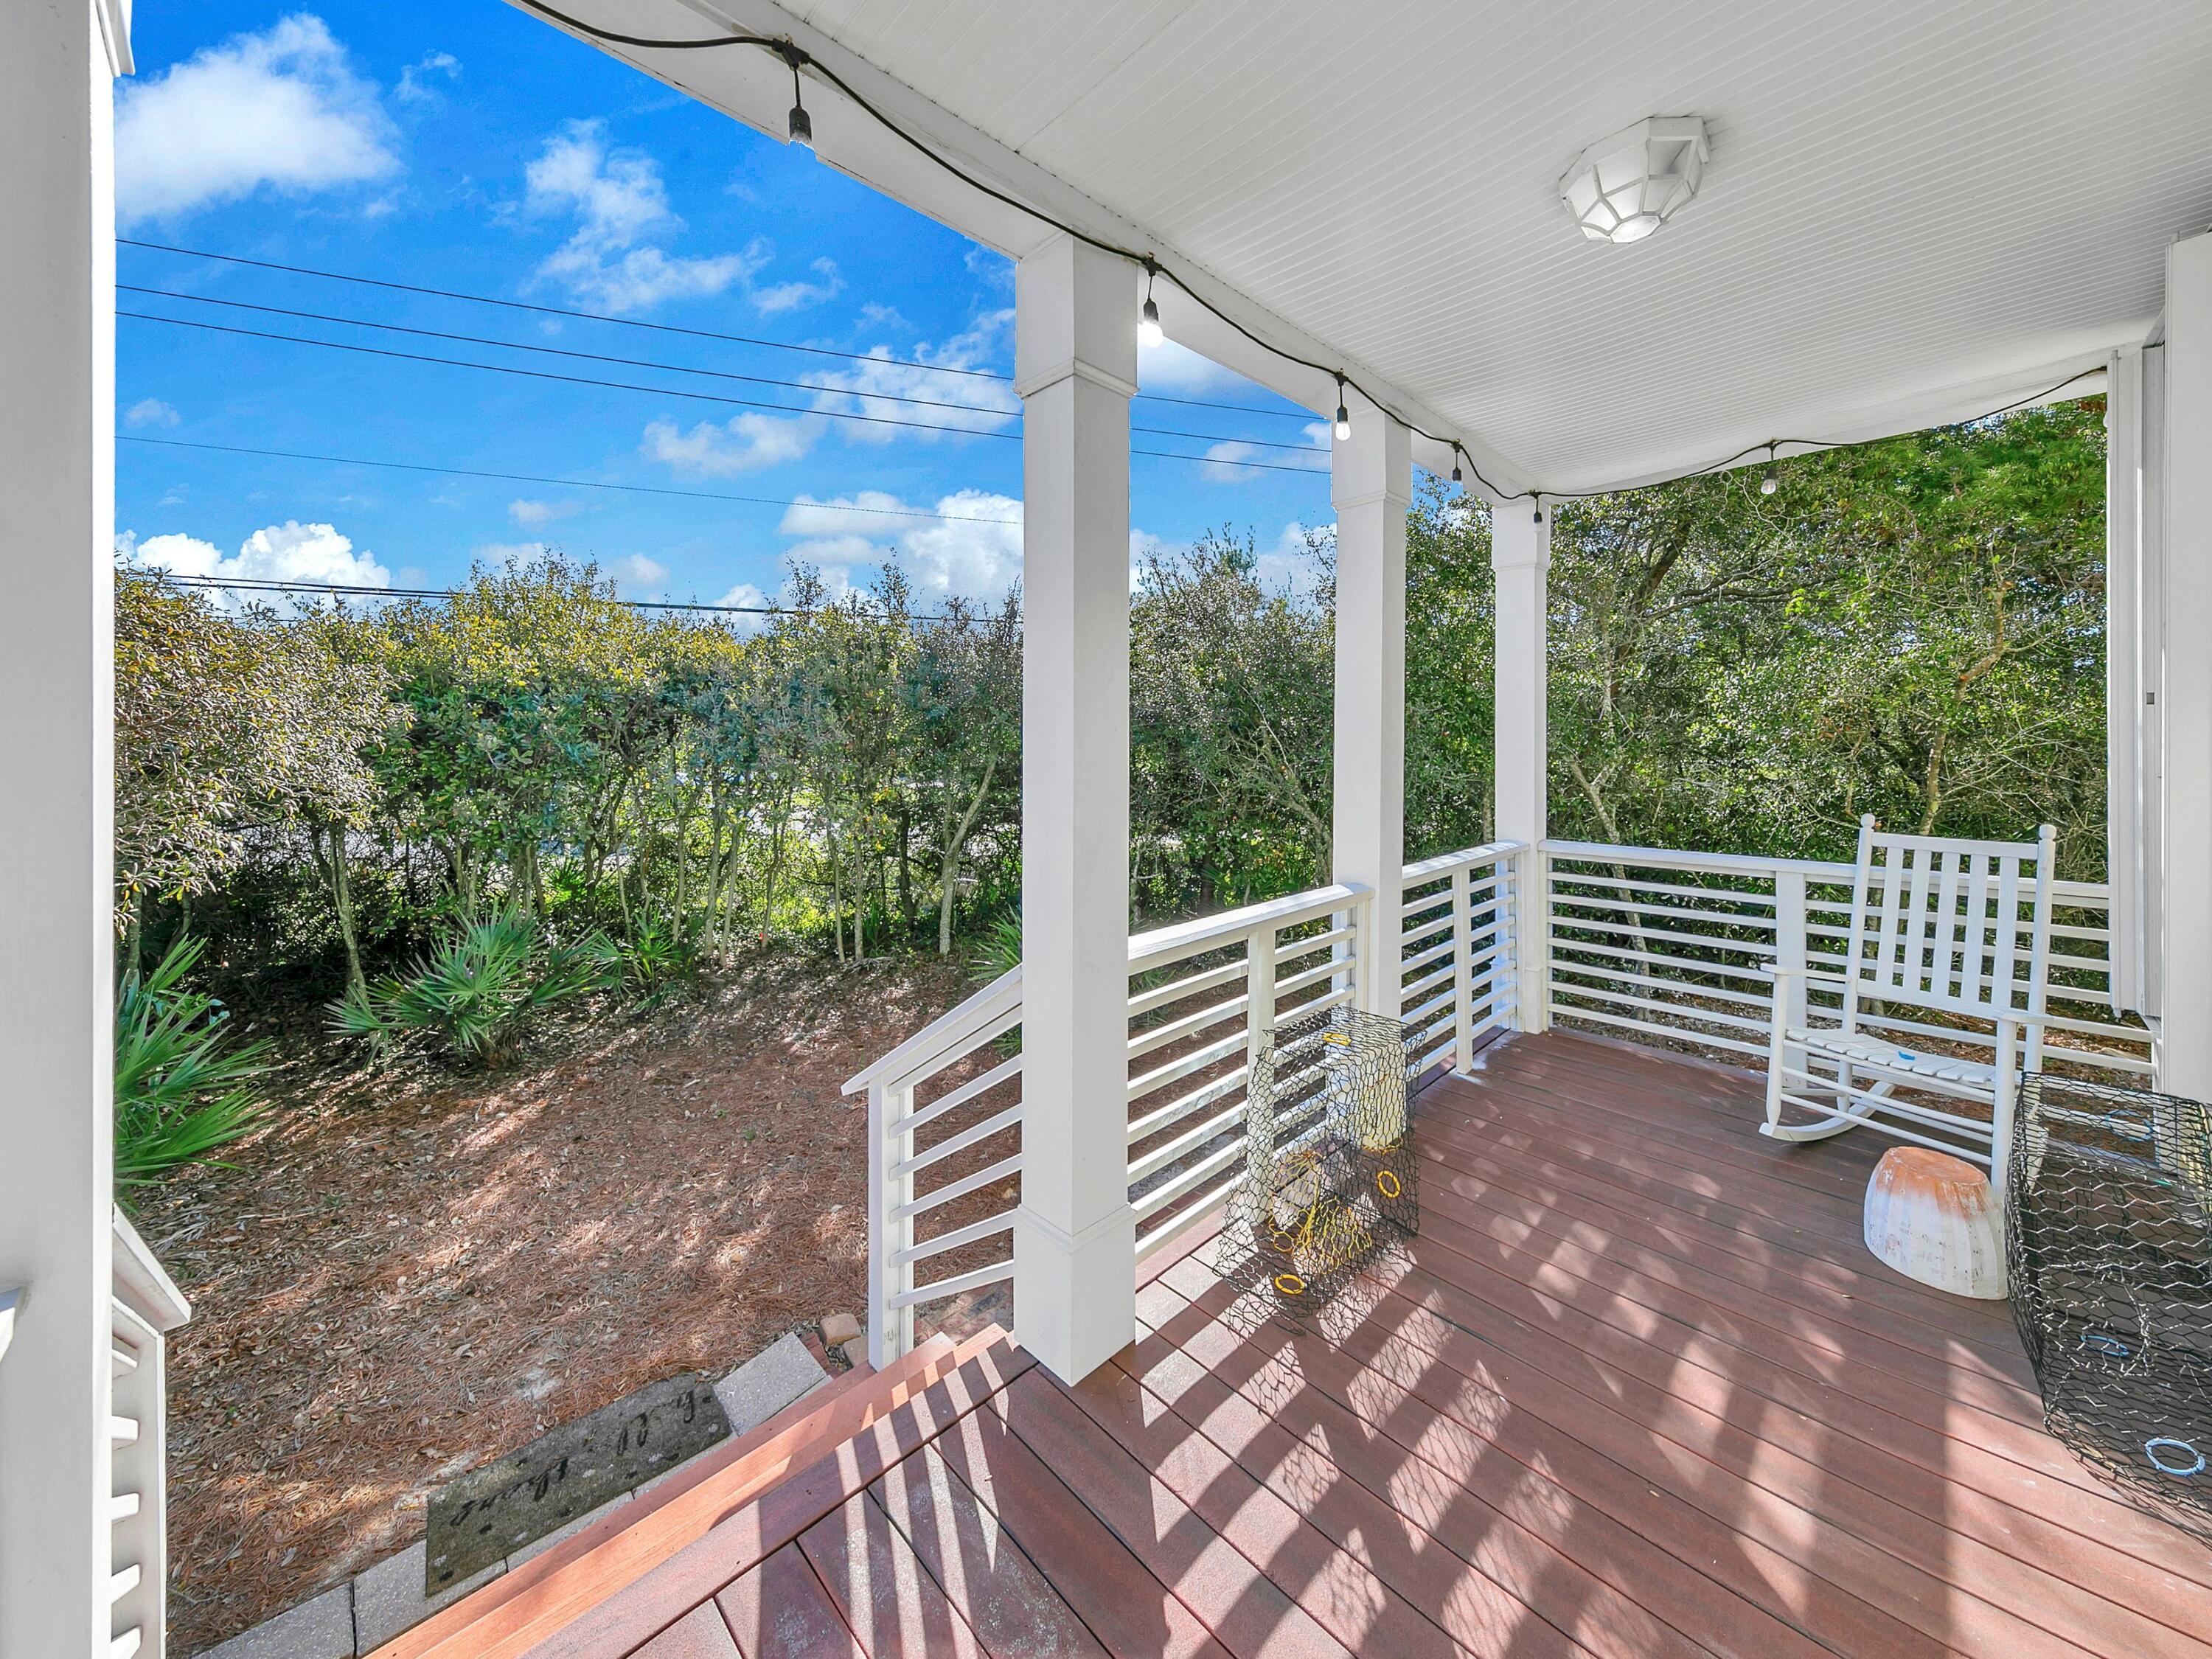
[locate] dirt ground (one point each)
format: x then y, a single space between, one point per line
411 1272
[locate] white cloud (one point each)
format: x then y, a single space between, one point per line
1292 565
618 202
151 412
867 387
994 268
282 109
973 550
779 297
291 552
1220 462
745 443
745 595
1167 367
637 577
414 88
529 514
881 316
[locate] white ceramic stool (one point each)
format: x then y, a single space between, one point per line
1933 1218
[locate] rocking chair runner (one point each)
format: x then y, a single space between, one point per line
1936 926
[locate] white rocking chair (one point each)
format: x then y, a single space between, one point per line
1938 926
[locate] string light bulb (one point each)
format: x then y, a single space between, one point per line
1772 480
1343 426
1149 331
1539 510
802 124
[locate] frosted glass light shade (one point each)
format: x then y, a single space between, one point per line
1624 187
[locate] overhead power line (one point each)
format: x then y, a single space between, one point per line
996 412
568 380
555 311
271 585
566 484
702 397
659 328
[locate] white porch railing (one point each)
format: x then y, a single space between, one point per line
1658 943
145 1305
1645 941
944 1106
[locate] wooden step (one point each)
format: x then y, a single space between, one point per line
711 1563
505 1616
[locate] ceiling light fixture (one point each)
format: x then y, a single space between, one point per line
1622 188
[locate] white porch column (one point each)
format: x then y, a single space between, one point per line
2123 697
1372 485
2185 1050
1075 1235
1521 562
57 534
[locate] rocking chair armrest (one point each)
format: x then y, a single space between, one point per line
1779 970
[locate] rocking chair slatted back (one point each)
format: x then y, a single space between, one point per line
1938 924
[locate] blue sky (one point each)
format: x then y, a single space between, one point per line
467 146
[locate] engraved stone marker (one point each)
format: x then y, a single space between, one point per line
519 1499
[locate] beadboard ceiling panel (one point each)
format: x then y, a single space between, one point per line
1905 201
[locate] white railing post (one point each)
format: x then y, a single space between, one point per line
139 1518
891 1326
1531 952
1259 995
1361 951
1789 954
144 1304
1463 936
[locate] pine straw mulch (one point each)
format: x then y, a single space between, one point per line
410 1271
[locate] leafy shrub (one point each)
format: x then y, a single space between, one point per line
181 1090
1000 949
658 955
477 991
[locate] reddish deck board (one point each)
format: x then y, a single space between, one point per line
1637 1390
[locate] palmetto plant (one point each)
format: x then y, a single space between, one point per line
659 954
477 989
181 1090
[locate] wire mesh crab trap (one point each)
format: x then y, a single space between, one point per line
1330 1176
2110 1252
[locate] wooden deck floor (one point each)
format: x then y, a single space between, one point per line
1639 1390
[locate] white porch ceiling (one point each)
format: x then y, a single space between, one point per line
1911 211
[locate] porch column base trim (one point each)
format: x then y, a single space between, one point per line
1075 1306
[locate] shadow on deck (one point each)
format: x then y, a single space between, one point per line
1638 1388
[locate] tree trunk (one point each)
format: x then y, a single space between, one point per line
134 933
906 869
955 842
327 843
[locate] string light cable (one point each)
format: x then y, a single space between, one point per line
1154 266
